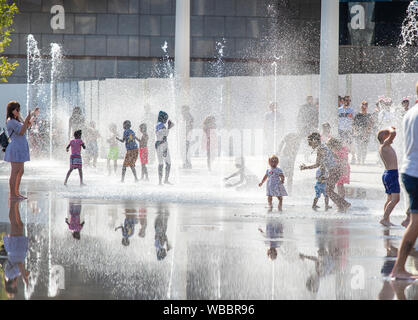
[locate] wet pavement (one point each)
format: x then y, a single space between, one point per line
137 248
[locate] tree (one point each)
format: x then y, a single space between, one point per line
7 13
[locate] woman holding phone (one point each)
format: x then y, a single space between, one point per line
17 152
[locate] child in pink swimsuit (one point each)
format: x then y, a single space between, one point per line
75 158
341 155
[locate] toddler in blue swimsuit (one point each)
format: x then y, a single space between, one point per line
320 188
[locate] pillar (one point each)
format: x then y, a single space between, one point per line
328 78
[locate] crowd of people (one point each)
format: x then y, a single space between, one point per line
332 160
355 131
332 153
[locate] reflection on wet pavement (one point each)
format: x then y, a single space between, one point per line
84 248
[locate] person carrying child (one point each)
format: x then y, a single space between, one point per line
75 158
131 150
275 187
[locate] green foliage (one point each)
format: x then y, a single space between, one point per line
7 13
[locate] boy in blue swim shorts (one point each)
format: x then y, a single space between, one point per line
320 188
390 177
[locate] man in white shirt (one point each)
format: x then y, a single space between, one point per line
410 180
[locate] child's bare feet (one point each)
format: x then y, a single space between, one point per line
327 208
386 223
315 207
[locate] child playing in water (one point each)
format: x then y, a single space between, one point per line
74 225
275 187
113 152
340 152
161 146
131 149
390 177
320 188
143 151
246 180
75 158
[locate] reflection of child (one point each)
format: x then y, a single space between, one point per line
113 152
142 222
246 178
75 158
161 240
320 188
128 227
74 225
274 231
275 187
143 151
131 149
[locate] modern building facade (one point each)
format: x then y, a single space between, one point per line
123 38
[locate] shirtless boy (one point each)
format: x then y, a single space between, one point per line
390 177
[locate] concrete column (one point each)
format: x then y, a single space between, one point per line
182 51
328 79
182 69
